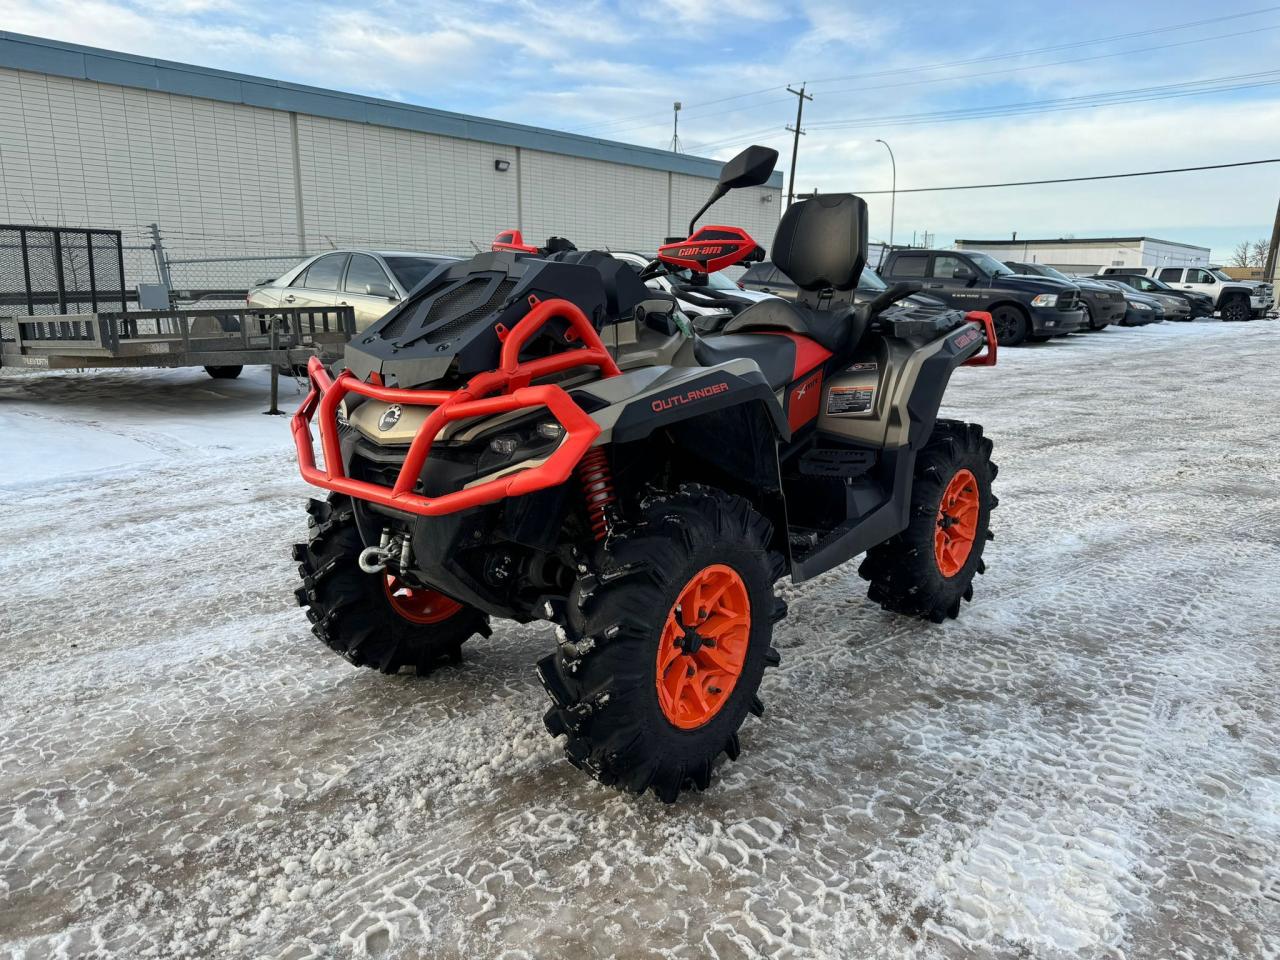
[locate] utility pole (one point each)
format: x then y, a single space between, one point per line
795 146
675 127
1273 252
893 194
162 261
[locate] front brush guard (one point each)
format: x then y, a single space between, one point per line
511 381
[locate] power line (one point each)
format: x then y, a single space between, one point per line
1054 63
969 76
1100 98
1056 47
999 110
626 122
1105 176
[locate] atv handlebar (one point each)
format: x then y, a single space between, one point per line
474 400
891 295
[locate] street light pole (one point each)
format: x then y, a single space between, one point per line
893 194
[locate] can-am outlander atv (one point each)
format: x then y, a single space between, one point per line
534 434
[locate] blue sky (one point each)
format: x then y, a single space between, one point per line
876 70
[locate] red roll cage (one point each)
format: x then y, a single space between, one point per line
495 391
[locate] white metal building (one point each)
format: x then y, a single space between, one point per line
1092 254
229 164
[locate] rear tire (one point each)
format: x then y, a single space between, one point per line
927 569
1011 325
365 617
631 718
224 373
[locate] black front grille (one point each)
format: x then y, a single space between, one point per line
1069 301
445 315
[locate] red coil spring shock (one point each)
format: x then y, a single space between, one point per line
597 486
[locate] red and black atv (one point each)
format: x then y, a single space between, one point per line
534 434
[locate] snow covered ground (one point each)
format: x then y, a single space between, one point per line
1086 764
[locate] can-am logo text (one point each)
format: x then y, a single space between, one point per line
680 399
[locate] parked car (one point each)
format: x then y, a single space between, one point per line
371 281
1023 308
1233 299
767 279
1102 304
1196 304
710 296
1140 309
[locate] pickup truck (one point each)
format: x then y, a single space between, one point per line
1234 299
1022 308
1102 303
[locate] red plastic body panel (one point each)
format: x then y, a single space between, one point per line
512 240
988 357
809 353
711 248
511 384
804 399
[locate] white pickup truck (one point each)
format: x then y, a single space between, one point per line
1234 299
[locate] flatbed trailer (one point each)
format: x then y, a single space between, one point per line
279 337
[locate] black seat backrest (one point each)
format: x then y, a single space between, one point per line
821 244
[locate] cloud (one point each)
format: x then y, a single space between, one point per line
612 70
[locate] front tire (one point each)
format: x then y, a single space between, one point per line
664 641
1237 309
928 569
1011 325
370 618
1092 322
224 372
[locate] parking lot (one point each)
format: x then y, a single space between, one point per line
1084 764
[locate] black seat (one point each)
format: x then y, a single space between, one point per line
837 329
774 355
821 244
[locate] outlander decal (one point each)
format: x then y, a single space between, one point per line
680 399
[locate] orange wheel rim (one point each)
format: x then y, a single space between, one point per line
703 646
419 606
957 523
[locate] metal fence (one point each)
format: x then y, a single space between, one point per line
59 270
227 277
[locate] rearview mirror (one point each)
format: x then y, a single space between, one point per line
961 273
380 290
750 168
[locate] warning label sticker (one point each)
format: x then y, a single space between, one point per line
849 400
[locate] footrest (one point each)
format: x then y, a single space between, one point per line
836 462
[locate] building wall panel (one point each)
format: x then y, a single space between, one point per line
218 177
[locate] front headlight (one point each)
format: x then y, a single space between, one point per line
1045 300
1139 306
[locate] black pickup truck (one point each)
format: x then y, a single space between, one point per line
1023 308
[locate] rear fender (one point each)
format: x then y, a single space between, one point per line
925 381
